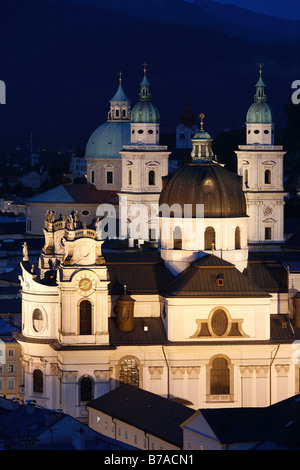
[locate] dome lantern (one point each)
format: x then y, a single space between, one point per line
202 143
260 117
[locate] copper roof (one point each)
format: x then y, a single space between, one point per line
200 279
223 197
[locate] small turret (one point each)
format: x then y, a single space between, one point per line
125 312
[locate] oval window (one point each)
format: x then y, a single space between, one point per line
140 131
37 320
266 131
85 213
219 322
208 185
150 131
256 131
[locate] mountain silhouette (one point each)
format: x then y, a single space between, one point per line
60 62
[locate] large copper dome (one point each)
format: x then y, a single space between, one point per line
208 183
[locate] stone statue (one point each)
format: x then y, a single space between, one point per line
25 251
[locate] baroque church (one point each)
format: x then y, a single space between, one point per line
202 307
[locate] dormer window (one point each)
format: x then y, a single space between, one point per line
220 279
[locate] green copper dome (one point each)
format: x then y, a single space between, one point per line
260 112
108 140
144 111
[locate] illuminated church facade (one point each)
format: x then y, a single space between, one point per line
204 312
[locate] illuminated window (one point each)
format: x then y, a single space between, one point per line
129 372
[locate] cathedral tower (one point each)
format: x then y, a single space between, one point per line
144 163
260 163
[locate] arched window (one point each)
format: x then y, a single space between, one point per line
151 178
237 238
219 377
177 238
268 177
129 372
209 239
85 389
85 318
38 382
246 181
130 177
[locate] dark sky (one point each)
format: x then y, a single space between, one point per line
282 8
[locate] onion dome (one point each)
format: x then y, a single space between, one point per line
144 111
260 112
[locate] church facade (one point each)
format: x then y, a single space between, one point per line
198 316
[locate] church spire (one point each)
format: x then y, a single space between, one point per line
145 94
260 96
119 104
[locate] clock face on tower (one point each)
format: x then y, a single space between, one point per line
85 284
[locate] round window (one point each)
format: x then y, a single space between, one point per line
150 131
219 322
37 320
266 131
256 131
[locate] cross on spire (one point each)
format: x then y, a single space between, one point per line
120 76
201 116
145 66
260 66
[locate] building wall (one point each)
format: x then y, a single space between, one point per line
97 169
10 368
124 432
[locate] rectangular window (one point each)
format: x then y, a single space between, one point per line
119 431
11 353
11 384
109 177
1 383
11 368
268 233
92 176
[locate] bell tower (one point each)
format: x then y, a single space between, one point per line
144 164
260 163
